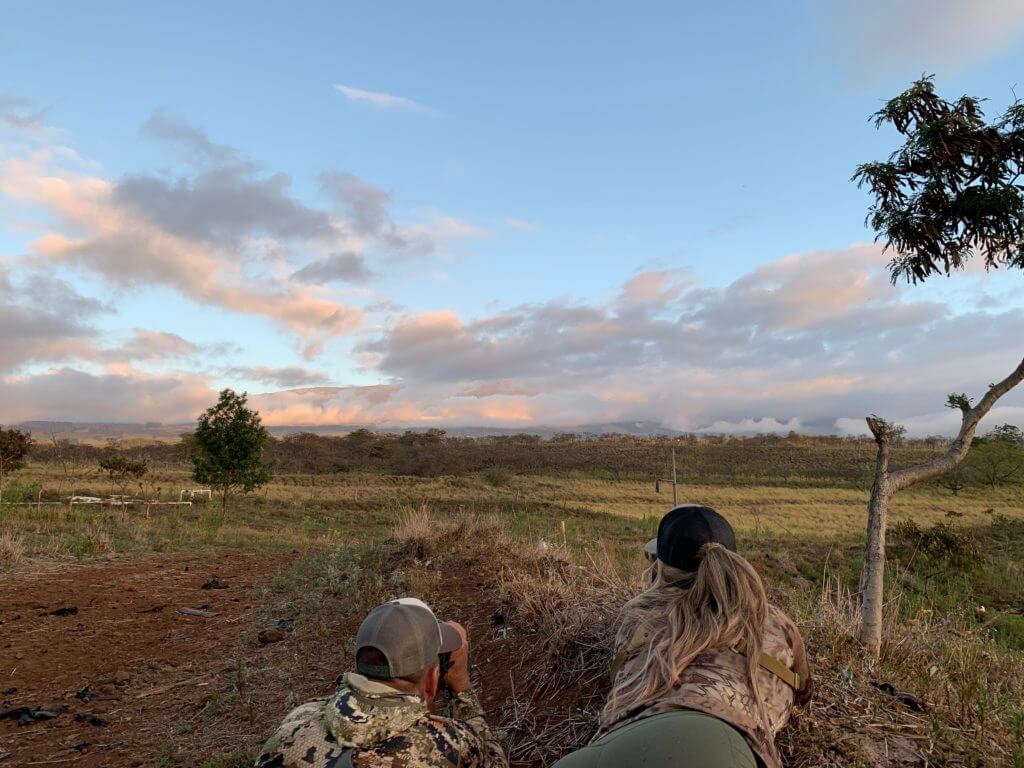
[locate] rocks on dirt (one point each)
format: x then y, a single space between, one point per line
911 701
201 613
272 635
26 715
87 694
92 719
214 583
69 610
155 609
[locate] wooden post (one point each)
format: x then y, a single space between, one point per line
675 501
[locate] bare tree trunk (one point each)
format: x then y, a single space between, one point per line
888 483
872 579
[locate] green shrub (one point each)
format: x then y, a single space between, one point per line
1008 631
496 476
18 492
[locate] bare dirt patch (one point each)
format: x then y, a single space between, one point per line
132 681
106 649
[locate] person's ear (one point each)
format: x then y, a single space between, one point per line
432 682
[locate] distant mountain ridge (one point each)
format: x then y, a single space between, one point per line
102 431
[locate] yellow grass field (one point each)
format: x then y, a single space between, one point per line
300 511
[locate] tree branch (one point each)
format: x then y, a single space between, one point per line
904 478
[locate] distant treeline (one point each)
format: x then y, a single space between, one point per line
760 459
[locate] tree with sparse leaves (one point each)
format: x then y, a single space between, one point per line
949 193
122 470
997 458
228 445
14 447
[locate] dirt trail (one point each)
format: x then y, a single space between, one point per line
114 630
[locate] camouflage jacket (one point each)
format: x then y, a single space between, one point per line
717 684
368 724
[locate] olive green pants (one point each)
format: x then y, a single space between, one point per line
682 739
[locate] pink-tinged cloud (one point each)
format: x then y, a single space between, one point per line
130 251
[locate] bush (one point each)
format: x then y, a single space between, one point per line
1008 631
941 541
497 476
18 492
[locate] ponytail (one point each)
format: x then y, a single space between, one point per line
683 614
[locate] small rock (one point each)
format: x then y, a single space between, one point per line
272 635
121 677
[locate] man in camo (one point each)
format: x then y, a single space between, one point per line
380 716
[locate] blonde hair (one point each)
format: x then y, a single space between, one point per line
720 605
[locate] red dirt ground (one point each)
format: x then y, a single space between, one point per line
180 696
127 640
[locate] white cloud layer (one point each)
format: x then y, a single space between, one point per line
383 100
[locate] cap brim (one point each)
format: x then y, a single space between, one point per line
451 640
651 547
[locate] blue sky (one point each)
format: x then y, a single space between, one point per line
522 157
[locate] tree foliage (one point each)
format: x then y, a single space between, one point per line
997 458
950 192
123 469
228 445
14 447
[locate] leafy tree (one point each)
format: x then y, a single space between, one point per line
1007 433
228 445
122 470
14 447
998 457
948 193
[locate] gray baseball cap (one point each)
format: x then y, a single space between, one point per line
409 636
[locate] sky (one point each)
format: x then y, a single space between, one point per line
458 213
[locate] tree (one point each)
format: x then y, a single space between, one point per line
14 447
998 457
949 193
228 445
122 470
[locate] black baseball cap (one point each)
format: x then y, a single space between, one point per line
687 528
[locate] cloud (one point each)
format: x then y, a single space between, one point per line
193 143
521 224
383 100
365 207
492 388
796 343
348 267
286 376
73 395
147 345
20 114
43 319
132 246
874 38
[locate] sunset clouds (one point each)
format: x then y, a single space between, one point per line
443 233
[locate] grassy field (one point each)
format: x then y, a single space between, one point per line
954 638
311 510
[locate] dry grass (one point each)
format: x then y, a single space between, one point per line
804 511
12 547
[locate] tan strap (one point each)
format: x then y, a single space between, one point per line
780 670
765 661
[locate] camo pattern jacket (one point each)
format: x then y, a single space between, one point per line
716 683
367 724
